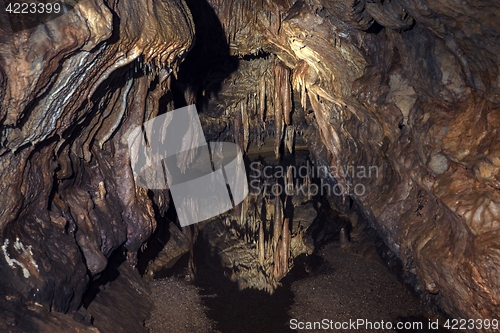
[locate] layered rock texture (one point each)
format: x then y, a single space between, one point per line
408 87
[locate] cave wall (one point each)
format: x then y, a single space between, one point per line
411 87
72 88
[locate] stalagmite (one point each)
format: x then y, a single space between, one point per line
307 180
191 233
269 206
344 240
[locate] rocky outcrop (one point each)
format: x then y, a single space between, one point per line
71 88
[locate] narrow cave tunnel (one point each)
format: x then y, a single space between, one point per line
360 166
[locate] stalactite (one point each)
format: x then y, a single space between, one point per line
287 96
303 96
234 29
278 19
246 125
289 138
227 19
289 181
237 127
260 143
278 108
299 81
266 10
254 107
262 100
242 216
190 95
186 157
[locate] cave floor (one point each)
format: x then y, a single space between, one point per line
337 284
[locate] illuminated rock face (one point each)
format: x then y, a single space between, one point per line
409 87
416 95
69 93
